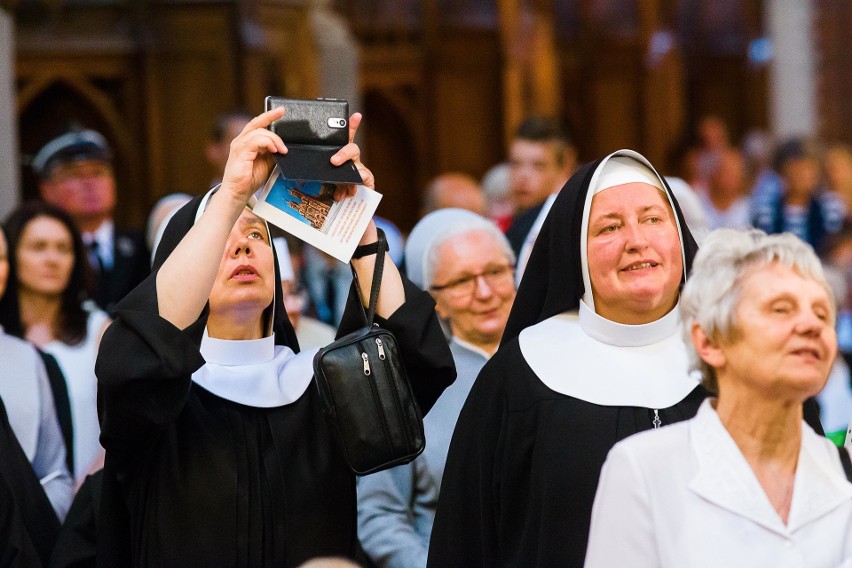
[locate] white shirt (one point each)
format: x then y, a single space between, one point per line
25 391
737 216
78 365
684 496
529 241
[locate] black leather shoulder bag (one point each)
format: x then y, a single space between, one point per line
365 391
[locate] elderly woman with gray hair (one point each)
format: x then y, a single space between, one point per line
467 265
746 482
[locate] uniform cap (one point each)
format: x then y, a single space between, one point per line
73 146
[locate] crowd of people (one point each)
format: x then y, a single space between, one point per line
614 366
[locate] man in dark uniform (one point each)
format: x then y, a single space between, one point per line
76 174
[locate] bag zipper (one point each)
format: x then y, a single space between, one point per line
395 391
376 398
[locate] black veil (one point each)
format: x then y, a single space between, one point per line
553 278
179 225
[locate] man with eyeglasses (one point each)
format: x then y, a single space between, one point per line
75 173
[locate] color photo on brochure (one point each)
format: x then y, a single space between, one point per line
307 210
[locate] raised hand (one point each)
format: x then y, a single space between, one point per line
251 159
352 152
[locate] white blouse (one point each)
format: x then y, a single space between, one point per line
78 365
684 496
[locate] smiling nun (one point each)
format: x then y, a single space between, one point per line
592 353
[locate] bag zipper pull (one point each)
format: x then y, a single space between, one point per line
366 363
381 349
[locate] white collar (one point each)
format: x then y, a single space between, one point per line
103 236
230 353
623 335
725 478
542 215
254 372
597 360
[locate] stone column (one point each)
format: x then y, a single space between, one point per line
792 71
10 191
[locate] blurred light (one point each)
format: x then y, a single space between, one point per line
661 43
760 51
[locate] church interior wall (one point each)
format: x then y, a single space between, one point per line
440 91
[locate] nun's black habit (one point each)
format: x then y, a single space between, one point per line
525 458
28 524
206 481
524 461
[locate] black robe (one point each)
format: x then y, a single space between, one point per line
192 479
28 524
77 543
524 461
523 468
210 482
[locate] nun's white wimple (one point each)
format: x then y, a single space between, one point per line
252 372
612 364
620 167
620 170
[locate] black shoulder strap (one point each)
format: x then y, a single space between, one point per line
847 463
381 247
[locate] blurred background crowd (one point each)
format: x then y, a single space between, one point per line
114 114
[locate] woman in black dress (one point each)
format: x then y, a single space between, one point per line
218 453
592 353
28 524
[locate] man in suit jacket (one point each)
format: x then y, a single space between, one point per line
541 159
76 174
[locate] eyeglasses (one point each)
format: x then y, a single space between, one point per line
494 276
85 170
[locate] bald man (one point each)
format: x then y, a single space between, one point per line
453 189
